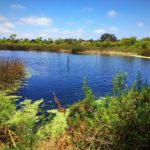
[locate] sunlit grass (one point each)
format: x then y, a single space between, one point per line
11 71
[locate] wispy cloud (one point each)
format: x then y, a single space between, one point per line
6 27
140 24
34 20
44 29
77 33
87 9
113 29
71 23
17 6
4 30
99 31
2 18
112 13
89 21
26 35
52 32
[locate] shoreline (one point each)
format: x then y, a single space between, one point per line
88 52
113 53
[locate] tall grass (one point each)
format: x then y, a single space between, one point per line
11 71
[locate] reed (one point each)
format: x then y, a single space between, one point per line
11 72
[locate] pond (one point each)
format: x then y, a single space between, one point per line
64 74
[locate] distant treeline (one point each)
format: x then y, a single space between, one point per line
107 42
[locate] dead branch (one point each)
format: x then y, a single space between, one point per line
12 139
59 106
8 136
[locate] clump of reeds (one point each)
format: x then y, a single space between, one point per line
11 71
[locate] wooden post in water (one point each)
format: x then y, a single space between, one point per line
59 106
68 59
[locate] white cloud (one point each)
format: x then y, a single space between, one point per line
6 27
112 13
85 9
26 35
99 31
33 20
17 6
52 32
114 29
77 33
46 33
2 18
71 23
140 24
89 21
4 30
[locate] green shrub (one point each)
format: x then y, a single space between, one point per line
120 122
17 126
23 122
7 108
120 83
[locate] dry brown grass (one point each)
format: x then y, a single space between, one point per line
11 70
62 142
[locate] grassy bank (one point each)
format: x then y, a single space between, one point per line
126 46
120 121
113 53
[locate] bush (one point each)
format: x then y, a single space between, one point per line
145 52
17 127
119 122
78 49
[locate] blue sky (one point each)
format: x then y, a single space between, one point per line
74 18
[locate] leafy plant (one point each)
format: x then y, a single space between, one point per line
118 122
120 83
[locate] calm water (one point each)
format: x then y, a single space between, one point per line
64 74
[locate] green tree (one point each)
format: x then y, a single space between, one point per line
50 40
39 40
108 37
128 41
12 37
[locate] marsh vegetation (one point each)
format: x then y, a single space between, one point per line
107 42
11 72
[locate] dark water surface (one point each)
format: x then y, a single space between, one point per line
64 74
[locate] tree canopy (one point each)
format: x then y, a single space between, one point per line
108 37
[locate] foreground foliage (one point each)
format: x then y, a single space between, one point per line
121 121
17 126
118 122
